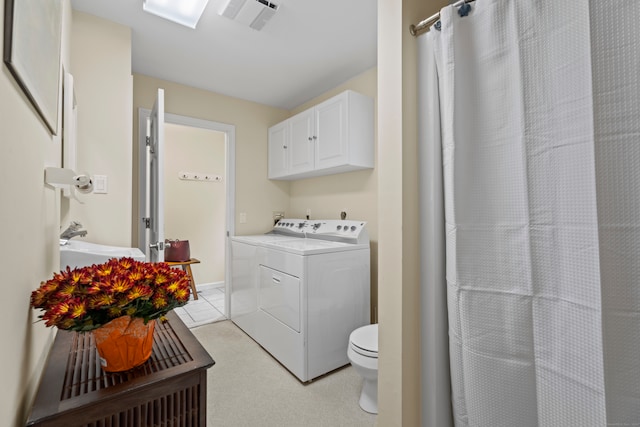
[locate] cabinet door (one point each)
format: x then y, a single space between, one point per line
278 150
301 142
331 131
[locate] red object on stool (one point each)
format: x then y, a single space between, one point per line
177 250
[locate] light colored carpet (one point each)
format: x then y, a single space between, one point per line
247 387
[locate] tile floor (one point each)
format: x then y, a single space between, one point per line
208 308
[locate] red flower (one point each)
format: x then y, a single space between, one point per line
101 300
77 308
60 309
86 298
160 302
104 270
125 263
139 291
173 287
121 285
182 294
94 288
136 276
161 278
80 276
67 290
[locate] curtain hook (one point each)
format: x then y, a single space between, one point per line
464 9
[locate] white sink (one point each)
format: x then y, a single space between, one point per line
76 253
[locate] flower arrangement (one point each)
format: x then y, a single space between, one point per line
83 299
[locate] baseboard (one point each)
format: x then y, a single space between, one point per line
210 285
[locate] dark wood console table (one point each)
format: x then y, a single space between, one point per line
170 389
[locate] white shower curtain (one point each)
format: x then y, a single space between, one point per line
536 108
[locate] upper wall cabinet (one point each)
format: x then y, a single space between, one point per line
332 137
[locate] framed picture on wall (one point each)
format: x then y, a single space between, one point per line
32 38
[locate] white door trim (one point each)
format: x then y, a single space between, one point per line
230 179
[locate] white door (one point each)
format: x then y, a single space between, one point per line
154 209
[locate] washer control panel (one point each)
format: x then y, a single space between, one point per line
329 229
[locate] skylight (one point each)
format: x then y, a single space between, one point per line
183 12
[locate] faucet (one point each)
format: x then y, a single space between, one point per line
73 230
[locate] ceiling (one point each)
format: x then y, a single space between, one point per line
306 49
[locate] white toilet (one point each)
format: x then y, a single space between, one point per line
363 355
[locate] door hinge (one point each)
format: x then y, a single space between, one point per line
147 222
149 144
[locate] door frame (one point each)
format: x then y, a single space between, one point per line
230 179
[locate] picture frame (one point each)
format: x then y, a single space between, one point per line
69 122
32 43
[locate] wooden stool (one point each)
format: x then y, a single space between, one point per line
186 266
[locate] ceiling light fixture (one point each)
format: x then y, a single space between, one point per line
183 12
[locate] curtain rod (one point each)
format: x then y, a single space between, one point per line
415 29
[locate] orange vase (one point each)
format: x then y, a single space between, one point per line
124 343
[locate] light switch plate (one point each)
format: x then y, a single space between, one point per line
100 184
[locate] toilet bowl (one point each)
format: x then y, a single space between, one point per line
363 355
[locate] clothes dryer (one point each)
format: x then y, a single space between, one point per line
300 292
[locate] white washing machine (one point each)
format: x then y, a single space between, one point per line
300 290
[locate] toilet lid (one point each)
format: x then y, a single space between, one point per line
364 340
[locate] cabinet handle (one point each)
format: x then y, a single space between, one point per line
284 146
310 139
315 137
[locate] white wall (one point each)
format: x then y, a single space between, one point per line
399 262
29 253
101 66
195 210
255 194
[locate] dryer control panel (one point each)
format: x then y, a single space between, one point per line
348 231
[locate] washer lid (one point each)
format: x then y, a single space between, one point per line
312 246
262 239
366 338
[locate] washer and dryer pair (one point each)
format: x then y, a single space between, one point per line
301 289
